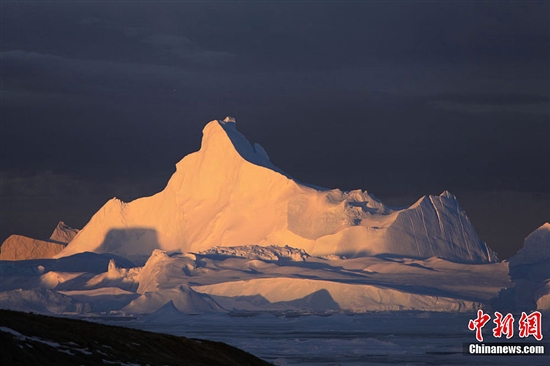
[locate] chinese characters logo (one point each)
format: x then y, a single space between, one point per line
529 325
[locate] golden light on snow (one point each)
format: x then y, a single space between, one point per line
228 193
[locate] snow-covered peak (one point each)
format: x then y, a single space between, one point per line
229 194
63 233
543 230
224 140
168 313
536 247
447 194
437 224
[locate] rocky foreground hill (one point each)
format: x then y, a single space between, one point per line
30 339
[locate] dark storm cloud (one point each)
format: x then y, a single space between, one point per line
495 99
278 35
400 98
32 204
496 102
317 111
185 49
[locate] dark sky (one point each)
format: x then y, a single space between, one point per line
400 98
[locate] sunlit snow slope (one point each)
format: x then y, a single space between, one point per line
229 194
19 247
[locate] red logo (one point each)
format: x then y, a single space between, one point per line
503 325
479 323
529 325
